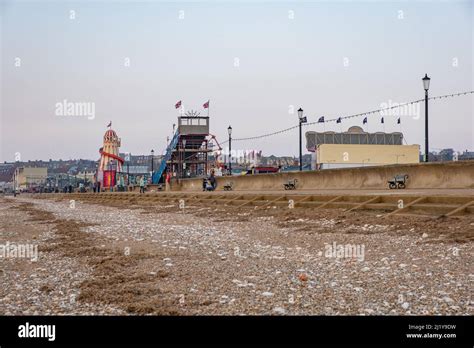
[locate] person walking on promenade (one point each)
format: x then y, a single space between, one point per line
168 181
212 180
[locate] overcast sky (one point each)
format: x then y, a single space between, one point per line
257 62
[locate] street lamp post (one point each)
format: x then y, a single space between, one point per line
152 163
426 86
302 119
229 130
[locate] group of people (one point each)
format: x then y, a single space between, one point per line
209 184
142 183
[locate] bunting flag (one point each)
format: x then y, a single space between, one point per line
321 119
206 105
178 105
339 119
381 120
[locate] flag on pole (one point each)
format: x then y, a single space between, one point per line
206 105
338 120
399 121
109 125
321 119
381 120
364 121
178 105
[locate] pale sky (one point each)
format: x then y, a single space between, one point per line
256 61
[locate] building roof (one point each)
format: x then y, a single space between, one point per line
354 135
110 135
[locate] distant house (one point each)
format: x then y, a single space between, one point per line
25 177
466 155
6 171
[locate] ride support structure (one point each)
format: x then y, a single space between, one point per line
188 154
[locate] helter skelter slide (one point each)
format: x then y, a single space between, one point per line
110 162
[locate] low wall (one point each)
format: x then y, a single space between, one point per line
458 174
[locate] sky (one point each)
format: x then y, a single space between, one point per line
256 61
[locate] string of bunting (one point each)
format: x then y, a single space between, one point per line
339 119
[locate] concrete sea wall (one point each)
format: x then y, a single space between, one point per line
458 174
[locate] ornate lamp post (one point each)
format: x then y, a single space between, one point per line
229 131
152 163
302 119
426 86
